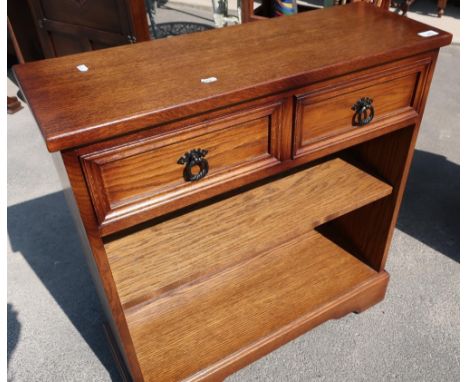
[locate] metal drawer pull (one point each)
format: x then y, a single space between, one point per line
364 111
194 158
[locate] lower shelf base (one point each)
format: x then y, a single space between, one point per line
357 300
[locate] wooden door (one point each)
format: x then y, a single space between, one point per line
22 34
72 26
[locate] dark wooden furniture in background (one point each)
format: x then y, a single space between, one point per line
226 218
404 5
441 5
22 32
265 9
52 28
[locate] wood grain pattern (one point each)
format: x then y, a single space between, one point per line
326 115
303 273
370 229
210 285
125 178
166 199
180 250
99 263
322 149
323 110
133 87
356 299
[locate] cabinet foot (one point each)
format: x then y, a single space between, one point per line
369 297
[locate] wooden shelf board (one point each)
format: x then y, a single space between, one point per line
236 307
152 261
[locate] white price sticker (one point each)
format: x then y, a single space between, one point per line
428 33
208 80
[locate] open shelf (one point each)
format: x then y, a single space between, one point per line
152 262
306 273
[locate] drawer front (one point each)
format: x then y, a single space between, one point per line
144 175
327 111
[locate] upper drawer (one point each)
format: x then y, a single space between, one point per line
134 180
355 104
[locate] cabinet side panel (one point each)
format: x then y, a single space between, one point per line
370 229
80 205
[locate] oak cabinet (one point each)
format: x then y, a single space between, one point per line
227 218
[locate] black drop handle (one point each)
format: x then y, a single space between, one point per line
193 158
364 111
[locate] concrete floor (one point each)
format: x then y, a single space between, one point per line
54 317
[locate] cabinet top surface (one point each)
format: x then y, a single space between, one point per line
135 86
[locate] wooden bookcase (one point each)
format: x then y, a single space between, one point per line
224 219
